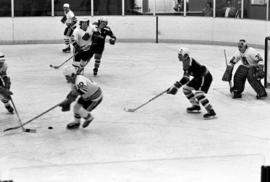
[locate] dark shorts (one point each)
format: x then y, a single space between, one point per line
89 105
84 55
201 83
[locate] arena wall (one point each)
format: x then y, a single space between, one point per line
202 30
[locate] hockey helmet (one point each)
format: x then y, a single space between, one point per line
103 19
242 45
183 51
83 20
66 5
2 57
69 71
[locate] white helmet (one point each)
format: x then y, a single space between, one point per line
69 71
103 19
183 51
66 5
2 57
84 20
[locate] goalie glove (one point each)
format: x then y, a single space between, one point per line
112 41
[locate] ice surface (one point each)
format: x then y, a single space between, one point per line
159 142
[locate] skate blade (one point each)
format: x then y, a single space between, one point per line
211 117
194 112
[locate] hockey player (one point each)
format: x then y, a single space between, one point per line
70 20
196 88
99 38
5 83
81 40
90 96
249 69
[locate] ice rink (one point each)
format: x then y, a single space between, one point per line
157 143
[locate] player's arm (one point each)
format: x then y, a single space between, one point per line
74 41
178 84
112 39
64 19
71 97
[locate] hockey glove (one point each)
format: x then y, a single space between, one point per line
172 90
5 92
112 41
65 105
63 19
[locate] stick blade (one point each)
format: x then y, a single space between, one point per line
129 110
27 130
52 66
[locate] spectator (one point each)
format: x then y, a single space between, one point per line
229 10
207 10
179 5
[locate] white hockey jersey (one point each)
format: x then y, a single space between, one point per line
87 88
70 17
249 57
83 38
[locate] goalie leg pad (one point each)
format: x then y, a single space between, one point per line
255 83
240 79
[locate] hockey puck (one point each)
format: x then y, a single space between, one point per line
50 127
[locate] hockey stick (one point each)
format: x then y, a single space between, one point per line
20 121
150 100
16 127
226 61
56 67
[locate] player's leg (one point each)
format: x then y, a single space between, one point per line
256 83
187 90
239 81
97 63
91 106
67 33
98 54
201 98
77 117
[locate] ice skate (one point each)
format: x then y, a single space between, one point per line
194 109
95 71
66 50
10 109
73 125
87 121
236 95
211 114
261 96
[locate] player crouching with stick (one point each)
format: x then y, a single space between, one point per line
196 88
90 97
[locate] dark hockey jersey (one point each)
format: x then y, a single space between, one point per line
194 69
99 37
